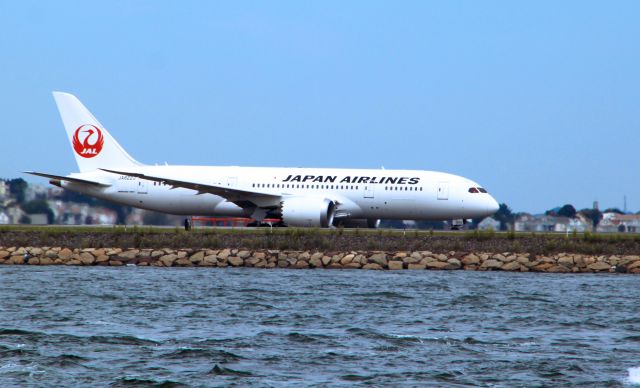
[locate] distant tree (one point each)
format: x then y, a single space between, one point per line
18 189
504 215
567 211
594 215
39 206
613 210
25 219
122 212
72 196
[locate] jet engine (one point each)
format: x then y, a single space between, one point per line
308 211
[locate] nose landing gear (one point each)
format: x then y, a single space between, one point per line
458 224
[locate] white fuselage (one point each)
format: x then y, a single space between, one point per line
360 193
299 196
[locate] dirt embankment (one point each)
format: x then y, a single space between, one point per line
321 240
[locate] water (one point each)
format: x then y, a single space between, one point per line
131 326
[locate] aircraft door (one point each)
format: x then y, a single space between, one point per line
142 187
443 190
369 191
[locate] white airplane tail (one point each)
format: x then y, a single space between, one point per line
92 145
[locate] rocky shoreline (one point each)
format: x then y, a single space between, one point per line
375 260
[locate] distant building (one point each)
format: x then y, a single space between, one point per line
489 223
4 190
135 218
625 223
607 224
38 219
15 214
545 223
4 218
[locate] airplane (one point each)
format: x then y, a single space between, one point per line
299 197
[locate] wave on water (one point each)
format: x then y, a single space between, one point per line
195 353
315 328
143 382
387 295
634 338
7 331
67 360
634 376
121 340
222 371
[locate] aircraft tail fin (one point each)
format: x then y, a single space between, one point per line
93 147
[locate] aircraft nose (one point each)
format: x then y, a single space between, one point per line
492 205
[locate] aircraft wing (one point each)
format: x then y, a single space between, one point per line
242 198
68 179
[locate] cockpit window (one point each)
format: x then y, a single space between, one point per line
473 190
480 189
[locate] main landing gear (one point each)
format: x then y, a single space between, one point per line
458 224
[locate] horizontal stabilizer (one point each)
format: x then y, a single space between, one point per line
68 179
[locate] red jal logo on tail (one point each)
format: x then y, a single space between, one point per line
91 143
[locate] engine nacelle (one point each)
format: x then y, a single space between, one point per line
308 211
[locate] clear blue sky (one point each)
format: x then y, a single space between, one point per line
538 101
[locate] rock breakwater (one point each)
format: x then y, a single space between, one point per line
375 260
